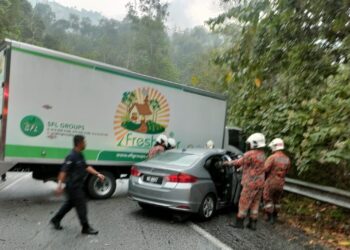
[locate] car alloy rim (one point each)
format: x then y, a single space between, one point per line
208 207
103 188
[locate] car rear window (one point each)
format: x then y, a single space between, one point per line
175 159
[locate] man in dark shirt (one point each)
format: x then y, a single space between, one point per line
74 172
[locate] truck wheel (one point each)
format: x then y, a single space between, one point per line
207 208
101 190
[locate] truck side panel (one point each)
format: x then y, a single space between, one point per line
51 99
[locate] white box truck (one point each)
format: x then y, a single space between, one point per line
47 97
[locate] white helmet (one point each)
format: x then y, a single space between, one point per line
210 144
162 139
276 144
256 140
172 143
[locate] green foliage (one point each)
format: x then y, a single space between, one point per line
155 108
129 125
17 21
192 52
338 215
139 43
129 98
154 128
148 41
290 78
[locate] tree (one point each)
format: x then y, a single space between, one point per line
149 40
191 52
285 66
155 108
16 21
129 98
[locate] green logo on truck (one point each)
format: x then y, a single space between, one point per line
144 110
32 125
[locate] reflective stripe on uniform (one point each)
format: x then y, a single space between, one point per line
242 214
254 211
268 205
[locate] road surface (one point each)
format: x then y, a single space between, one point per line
26 206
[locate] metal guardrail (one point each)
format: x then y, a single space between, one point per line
330 195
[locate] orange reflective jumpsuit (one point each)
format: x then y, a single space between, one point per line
253 178
155 150
276 168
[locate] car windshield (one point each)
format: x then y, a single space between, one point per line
175 159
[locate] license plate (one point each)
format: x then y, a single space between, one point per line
152 179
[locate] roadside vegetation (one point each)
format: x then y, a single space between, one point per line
284 65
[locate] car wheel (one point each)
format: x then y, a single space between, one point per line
207 208
101 190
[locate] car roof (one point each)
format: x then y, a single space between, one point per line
200 152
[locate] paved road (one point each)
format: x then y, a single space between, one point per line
27 205
277 237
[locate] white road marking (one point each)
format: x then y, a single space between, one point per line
209 237
14 182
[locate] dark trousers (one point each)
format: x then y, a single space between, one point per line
75 198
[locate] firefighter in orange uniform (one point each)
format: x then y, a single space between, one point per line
276 168
252 164
160 146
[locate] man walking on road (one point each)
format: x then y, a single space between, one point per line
276 168
253 179
74 172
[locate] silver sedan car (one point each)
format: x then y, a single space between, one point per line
191 180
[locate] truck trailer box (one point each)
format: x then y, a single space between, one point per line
47 97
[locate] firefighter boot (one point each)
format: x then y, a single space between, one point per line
268 217
238 223
252 224
274 217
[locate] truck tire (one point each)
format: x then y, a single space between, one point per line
207 208
101 190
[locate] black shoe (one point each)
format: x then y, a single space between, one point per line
270 218
252 224
238 223
89 230
274 217
56 225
